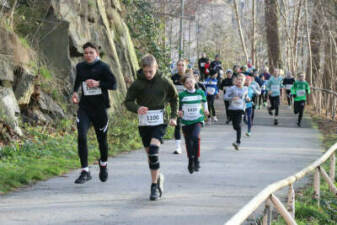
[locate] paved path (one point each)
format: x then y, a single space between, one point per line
227 180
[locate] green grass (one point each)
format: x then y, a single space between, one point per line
52 151
306 210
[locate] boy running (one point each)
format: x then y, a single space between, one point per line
300 90
212 90
148 96
237 95
274 86
192 116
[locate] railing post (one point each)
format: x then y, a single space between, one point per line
267 213
282 210
332 167
326 177
291 200
317 186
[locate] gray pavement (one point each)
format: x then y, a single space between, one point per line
227 180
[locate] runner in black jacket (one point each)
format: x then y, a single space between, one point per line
95 79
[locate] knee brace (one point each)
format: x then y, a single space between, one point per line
153 157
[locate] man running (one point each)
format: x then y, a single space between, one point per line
95 78
176 78
148 96
288 82
201 64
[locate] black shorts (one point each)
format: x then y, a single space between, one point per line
298 106
149 132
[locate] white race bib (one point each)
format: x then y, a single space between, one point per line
237 103
180 88
300 93
288 86
191 111
210 90
151 118
91 91
202 64
263 87
275 87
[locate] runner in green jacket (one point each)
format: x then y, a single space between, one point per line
299 91
148 96
192 110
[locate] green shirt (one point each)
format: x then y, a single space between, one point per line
300 89
191 105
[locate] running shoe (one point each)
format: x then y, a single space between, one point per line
299 124
275 122
190 166
160 184
248 134
154 195
103 172
215 119
177 151
236 146
269 111
196 164
84 177
227 122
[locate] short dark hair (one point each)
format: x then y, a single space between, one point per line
148 60
91 45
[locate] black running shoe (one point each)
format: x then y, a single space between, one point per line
236 145
228 121
275 122
103 172
160 184
269 111
298 124
190 166
196 165
84 177
154 195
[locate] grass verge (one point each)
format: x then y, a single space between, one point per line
52 151
306 210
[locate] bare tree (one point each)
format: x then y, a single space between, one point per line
272 33
240 29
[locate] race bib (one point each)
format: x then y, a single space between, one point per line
210 90
151 118
263 87
180 88
275 88
202 64
300 93
91 91
191 111
288 86
237 103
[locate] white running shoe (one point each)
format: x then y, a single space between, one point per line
215 119
178 147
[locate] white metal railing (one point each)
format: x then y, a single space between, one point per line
268 197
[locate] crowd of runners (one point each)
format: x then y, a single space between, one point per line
189 93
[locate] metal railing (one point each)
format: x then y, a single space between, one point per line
324 102
268 197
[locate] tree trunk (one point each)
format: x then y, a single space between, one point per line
296 28
253 34
315 44
240 30
309 63
272 33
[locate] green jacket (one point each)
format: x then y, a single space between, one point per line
154 94
300 89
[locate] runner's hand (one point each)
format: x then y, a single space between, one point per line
180 113
142 110
92 83
206 113
173 122
75 98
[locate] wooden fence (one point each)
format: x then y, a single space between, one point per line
324 102
268 197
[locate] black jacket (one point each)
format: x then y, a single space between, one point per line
98 71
